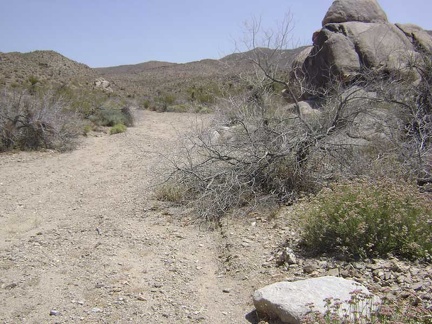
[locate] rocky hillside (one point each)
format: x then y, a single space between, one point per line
140 80
154 77
42 66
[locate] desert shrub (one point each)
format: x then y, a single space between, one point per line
87 129
31 122
170 191
364 308
145 104
250 155
128 116
163 101
256 148
84 101
117 129
370 219
111 116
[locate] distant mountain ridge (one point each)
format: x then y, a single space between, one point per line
153 77
146 78
134 68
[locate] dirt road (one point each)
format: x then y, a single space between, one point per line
82 239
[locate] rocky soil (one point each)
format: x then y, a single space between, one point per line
82 239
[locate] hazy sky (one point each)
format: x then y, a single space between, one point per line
113 32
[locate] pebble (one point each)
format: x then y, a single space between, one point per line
418 286
54 312
309 269
11 286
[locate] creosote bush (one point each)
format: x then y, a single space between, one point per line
117 129
370 219
111 116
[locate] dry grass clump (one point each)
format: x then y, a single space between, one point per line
370 219
171 192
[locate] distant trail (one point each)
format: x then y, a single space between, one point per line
82 239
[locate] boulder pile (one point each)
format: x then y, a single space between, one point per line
356 36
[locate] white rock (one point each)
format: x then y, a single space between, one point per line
288 301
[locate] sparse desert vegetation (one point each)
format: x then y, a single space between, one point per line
272 164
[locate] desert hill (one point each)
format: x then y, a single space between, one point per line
154 77
43 66
145 79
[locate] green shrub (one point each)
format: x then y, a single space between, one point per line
118 128
367 219
163 101
87 129
146 104
112 116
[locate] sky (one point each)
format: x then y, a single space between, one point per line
116 32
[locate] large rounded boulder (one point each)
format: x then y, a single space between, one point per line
356 37
367 11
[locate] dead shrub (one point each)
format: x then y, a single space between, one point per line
40 121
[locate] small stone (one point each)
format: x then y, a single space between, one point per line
388 275
390 297
226 290
96 310
359 266
11 286
372 266
401 279
418 286
333 272
289 256
427 296
344 273
379 274
54 312
309 268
